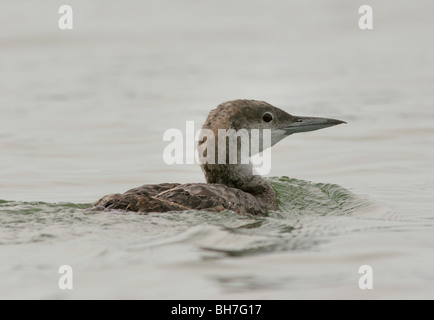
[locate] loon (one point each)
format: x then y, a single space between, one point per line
229 186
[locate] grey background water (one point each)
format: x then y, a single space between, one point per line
82 114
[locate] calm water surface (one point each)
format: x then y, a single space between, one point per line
83 112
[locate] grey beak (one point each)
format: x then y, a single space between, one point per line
304 124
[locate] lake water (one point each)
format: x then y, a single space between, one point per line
83 112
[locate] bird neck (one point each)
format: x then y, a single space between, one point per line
235 174
240 176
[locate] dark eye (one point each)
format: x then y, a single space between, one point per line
267 117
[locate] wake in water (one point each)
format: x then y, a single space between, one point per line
300 197
307 214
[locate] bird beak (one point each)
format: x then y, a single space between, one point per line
304 124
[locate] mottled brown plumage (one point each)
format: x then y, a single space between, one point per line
229 186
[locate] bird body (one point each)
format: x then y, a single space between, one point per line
230 185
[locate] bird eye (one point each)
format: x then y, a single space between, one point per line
267 117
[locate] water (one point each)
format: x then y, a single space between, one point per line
83 114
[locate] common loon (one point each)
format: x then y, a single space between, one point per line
229 186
